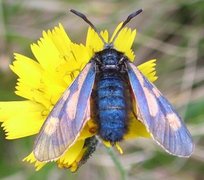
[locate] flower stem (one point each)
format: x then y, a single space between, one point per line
117 163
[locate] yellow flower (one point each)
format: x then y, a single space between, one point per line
41 82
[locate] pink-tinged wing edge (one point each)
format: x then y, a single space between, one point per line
66 120
159 116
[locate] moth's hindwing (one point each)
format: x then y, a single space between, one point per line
158 115
67 118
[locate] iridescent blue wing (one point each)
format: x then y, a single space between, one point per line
158 115
68 117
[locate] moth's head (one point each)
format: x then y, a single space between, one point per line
110 44
109 57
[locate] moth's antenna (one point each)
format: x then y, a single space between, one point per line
88 22
131 16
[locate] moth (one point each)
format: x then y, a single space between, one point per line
115 86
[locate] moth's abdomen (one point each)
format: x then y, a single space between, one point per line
112 108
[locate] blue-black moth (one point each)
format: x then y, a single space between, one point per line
106 89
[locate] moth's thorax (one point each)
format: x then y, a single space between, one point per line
109 59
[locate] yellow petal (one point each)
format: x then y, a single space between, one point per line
52 49
81 56
115 31
120 150
21 118
148 69
135 129
94 42
29 83
71 154
31 159
34 94
105 35
60 39
22 67
117 145
68 160
89 130
130 54
75 165
9 109
107 144
124 41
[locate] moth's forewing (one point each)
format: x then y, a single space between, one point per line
67 118
159 116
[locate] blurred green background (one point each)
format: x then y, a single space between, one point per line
172 31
